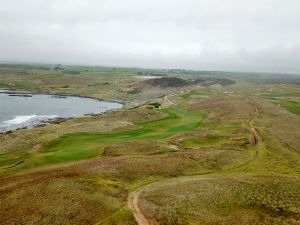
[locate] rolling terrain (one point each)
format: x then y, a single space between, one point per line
206 153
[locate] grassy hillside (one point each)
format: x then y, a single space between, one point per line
208 155
224 200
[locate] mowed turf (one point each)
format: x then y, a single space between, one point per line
289 101
240 183
86 145
291 106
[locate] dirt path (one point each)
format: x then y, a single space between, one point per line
256 138
133 204
133 199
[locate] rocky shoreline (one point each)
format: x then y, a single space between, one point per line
20 93
58 120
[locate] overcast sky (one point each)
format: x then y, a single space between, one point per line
243 35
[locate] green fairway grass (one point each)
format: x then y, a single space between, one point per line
288 100
291 106
79 146
86 145
210 154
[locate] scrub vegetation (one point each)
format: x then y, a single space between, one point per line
207 153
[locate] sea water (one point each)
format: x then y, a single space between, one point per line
18 111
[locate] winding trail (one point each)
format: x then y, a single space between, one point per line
133 198
133 204
256 138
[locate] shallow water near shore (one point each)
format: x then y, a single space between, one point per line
29 110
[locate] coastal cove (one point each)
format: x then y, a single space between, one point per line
27 110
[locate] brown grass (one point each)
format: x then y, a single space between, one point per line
96 190
236 200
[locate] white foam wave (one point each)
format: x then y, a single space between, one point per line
19 120
26 118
